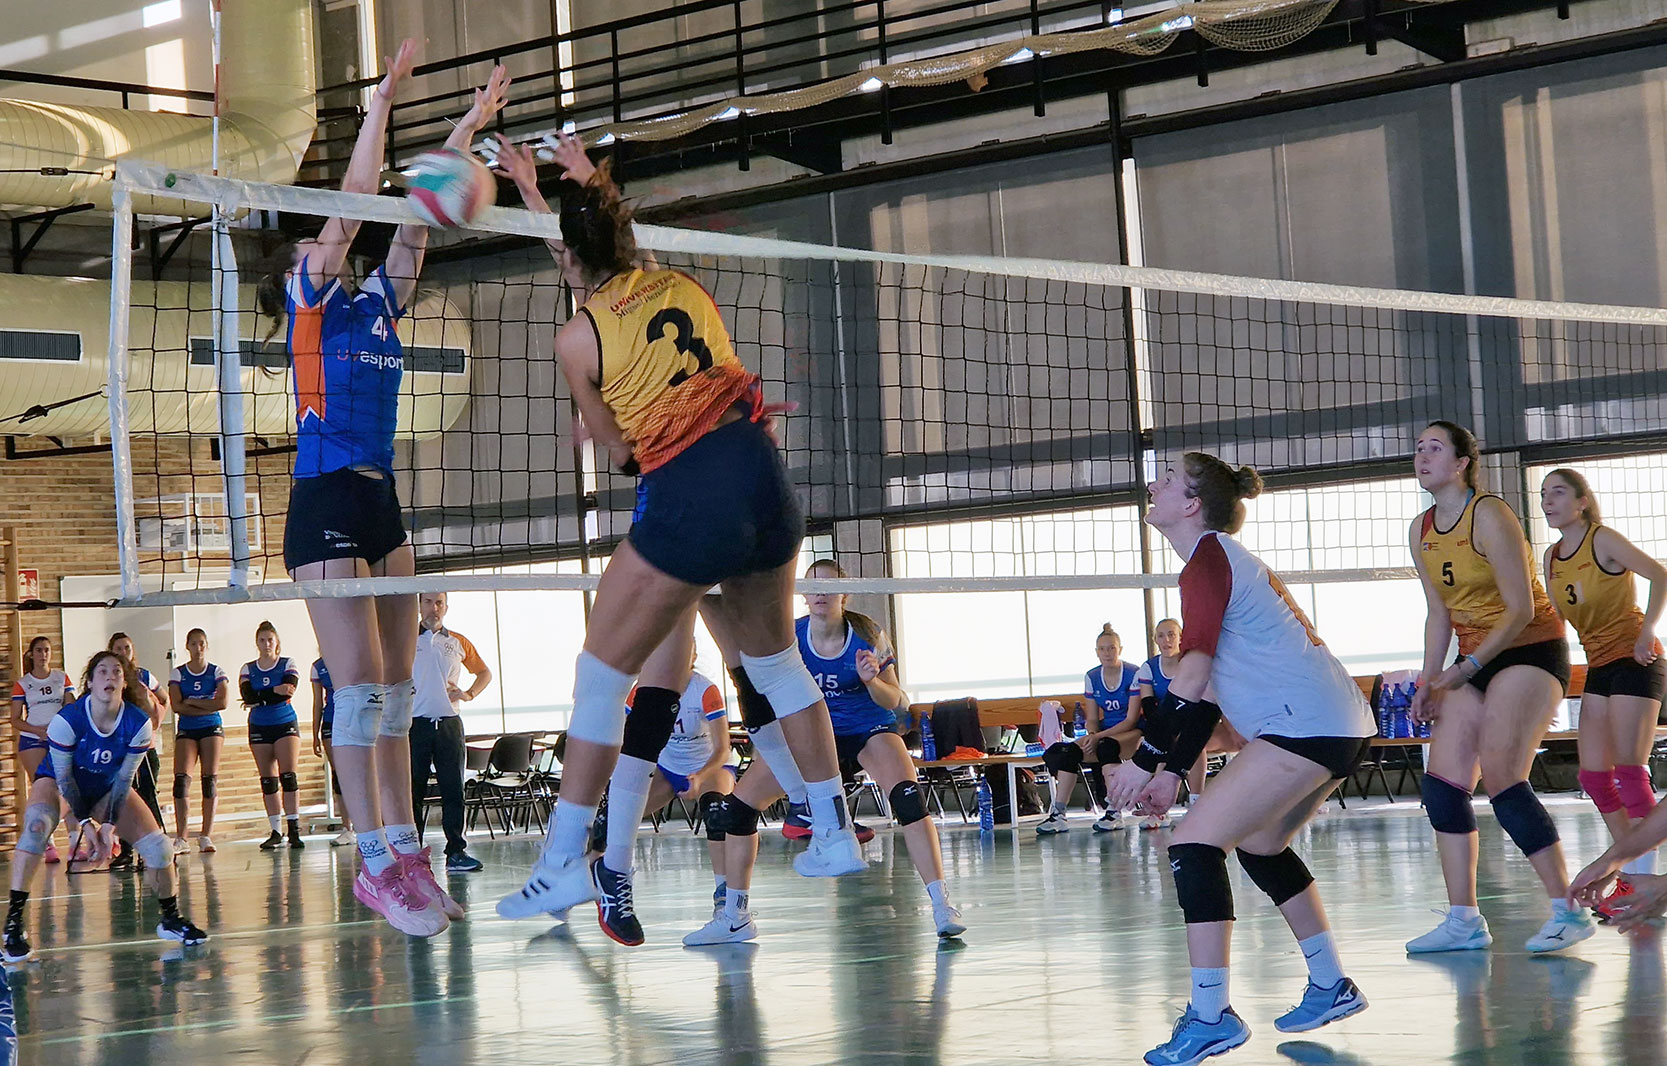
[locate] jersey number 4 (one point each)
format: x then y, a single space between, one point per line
686 341
379 329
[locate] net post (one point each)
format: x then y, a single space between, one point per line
228 361
121 450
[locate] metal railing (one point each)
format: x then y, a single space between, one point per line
646 66
123 89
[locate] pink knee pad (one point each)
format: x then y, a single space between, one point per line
1636 793
1600 785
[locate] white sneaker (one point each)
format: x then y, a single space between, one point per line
1053 823
180 846
1111 822
205 844
551 889
1563 930
948 920
345 838
720 930
1453 934
832 854
1160 821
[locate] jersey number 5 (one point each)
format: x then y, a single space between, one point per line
1447 574
686 341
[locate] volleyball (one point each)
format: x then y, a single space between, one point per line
448 187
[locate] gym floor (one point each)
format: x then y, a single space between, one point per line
1075 953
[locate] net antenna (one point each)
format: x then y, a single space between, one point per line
1235 364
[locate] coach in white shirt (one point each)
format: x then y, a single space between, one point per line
436 730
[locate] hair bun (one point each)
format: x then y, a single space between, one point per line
1107 631
1248 481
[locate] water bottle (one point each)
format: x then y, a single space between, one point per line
928 743
1386 698
1082 721
986 807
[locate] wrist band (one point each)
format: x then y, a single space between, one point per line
1475 662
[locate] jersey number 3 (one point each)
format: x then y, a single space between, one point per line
686 341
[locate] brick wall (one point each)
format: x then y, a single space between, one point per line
62 512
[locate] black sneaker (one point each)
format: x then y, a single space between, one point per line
462 863
295 840
599 830
123 859
615 912
16 948
274 840
180 928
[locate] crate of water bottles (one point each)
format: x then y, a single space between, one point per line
1394 708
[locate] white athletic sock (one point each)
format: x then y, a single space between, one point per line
373 851
735 905
1643 864
272 820
569 831
1325 968
1209 992
1561 908
627 799
771 743
403 839
935 890
827 805
722 883
1464 914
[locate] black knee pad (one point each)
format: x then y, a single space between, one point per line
1201 885
1063 758
182 786
289 783
1523 816
269 786
756 712
711 809
647 728
1108 751
1448 806
1283 877
907 804
739 817
211 786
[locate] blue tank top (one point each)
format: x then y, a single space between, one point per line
1113 703
97 757
198 687
321 674
347 364
853 710
282 672
1159 680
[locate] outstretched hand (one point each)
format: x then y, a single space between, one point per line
398 68
570 155
517 162
490 99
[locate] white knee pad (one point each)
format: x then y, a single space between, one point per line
396 708
155 849
358 716
38 823
599 694
784 680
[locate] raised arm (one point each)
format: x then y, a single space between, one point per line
364 170
405 254
519 163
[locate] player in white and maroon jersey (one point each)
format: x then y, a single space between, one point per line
1247 643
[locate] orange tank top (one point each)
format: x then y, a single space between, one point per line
1600 604
669 371
1464 579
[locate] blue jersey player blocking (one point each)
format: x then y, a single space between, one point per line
344 518
96 746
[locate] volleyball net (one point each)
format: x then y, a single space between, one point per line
964 423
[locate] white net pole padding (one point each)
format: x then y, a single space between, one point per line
983 419
228 360
121 441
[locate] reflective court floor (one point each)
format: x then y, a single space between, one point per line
1074 953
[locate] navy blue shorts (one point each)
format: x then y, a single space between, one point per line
271 734
850 745
723 507
680 782
341 515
